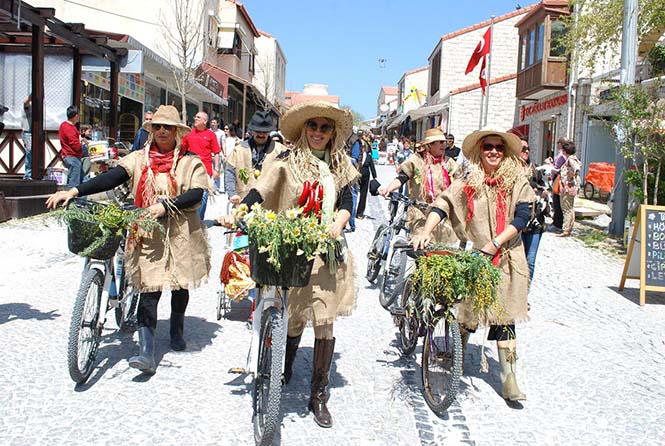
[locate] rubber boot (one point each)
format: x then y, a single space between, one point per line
291 349
508 362
177 326
145 361
464 334
323 354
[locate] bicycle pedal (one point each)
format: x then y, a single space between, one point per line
238 370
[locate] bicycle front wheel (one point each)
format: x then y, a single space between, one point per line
393 275
441 365
408 320
375 253
84 332
268 381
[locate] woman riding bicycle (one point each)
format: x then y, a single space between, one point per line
318 131
428 173
170 184
492 206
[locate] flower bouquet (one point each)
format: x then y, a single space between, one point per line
283 245
446 277
96 229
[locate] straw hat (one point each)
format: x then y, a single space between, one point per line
432 135
166 114
294 119
472 142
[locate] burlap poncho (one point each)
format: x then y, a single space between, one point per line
414 167
481 229
179 258
327 296
241 159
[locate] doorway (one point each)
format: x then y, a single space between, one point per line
549 140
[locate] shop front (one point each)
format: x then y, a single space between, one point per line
542 123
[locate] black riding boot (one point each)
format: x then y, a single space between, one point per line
145 361
177 326
291 349
323 354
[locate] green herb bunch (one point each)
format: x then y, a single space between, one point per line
461 276
282 234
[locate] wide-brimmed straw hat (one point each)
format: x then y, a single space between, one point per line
432 135
471 143
294 119
166 114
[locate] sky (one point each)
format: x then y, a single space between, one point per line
339 42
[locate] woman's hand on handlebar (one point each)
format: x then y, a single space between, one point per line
64 195
228 221
421 240
383 191
235 199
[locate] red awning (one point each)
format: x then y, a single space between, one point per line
521 131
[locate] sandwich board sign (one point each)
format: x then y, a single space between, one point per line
645 259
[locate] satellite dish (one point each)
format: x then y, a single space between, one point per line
384 108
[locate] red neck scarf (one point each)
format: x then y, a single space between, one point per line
429 183
159 163
470 193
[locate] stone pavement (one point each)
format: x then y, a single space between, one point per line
591 362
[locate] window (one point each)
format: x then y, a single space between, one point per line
524 47
540 41
237 45
532 46
252 60
435 74
558 30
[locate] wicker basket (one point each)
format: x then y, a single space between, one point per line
81 234
294 272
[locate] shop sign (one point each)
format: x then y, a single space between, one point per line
539 107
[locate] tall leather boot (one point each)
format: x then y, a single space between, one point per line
177 326
291 349
508 362
323 354
464 334
145 361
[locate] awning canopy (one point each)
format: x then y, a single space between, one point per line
429 110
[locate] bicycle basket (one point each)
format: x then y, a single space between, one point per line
295 270
81 234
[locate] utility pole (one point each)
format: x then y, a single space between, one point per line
628 67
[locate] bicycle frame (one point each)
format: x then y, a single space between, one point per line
268 296
111 279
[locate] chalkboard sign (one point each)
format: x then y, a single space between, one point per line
645 259
655 247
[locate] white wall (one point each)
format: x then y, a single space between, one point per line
418 80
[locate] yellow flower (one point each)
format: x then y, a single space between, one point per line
312 224
271 216
243 207
300 252
292 213
263 249
296 232
257 173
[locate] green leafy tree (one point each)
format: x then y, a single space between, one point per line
357 117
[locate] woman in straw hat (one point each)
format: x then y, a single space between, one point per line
318 131
428 173
170 184
490 207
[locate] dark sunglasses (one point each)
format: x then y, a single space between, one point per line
168 127
325 128
525 149
487 147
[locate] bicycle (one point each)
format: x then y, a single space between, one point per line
441 359
103 285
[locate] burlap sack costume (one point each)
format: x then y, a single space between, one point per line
414 167
327 296
179 257
241 159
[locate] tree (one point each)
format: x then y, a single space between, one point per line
266 82
182 42
357 117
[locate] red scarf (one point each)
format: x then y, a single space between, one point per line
159 162
429 183
470 193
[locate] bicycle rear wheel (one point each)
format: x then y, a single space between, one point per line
268 381
408 322
125 312
374 254
393 275
84 332
441 365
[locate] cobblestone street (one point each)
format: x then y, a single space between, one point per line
591 362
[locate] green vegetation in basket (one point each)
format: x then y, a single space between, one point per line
449 279
106 221
279 234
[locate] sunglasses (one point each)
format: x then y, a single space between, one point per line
325 128
487 147
525 149
168 127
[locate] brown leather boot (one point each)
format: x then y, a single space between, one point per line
323 354
291 349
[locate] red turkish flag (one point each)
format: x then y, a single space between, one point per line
483 75
482 50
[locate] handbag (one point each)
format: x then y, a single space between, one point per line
557 185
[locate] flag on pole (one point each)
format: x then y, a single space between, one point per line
483 75
482 50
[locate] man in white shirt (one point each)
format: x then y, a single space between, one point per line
221 138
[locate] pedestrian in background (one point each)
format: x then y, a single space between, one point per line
494 207
71 148
557 218
142 135
86 137
203 142
569 187
26 136
221 138
170 184
367 172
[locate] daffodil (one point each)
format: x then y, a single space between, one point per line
271 216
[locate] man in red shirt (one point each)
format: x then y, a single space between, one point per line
203 141
70 147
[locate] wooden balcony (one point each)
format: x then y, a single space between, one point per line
542 79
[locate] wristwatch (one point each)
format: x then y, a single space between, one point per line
496 243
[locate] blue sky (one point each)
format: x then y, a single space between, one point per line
339 42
